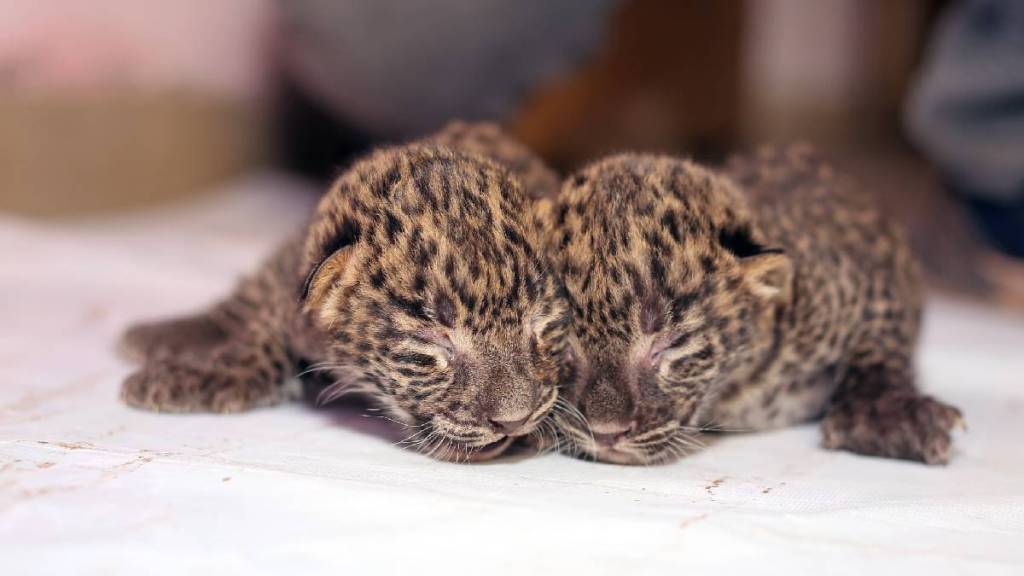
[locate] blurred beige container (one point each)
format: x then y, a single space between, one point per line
71 155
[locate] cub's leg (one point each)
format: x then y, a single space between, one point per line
236 356
162 338
877 411
242 373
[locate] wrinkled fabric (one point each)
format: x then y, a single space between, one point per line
90 486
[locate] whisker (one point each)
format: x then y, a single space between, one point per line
573 412
390 419
578 439
437 445
712 426
428 443
563 407
332 392
325 366
545 430
692 441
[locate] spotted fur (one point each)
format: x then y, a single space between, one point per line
417 281
488 139
755 297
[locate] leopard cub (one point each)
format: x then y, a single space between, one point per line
758 296
417 281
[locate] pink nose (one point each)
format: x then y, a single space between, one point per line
508 427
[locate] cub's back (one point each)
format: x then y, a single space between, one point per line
854 269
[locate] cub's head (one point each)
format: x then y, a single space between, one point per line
673 292
435 297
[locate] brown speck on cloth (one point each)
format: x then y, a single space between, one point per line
714 484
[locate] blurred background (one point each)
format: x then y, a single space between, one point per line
115 105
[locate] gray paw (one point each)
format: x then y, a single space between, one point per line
174 386
896 425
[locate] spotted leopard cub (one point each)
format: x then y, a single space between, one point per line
760 296
416 282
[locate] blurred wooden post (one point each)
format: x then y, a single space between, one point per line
666 79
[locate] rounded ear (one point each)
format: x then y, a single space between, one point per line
330 246
769 274
325 275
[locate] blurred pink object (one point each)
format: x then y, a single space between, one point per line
217 47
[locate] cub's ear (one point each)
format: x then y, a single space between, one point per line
330 247
768 274
331 272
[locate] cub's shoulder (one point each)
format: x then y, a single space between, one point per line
790 169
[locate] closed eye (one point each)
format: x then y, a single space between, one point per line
680 361
674 346
415 358
425 350
683 358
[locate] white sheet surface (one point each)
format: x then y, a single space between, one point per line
88 486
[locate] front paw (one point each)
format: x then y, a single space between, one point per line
170 386
896 425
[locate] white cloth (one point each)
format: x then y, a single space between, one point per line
89 486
